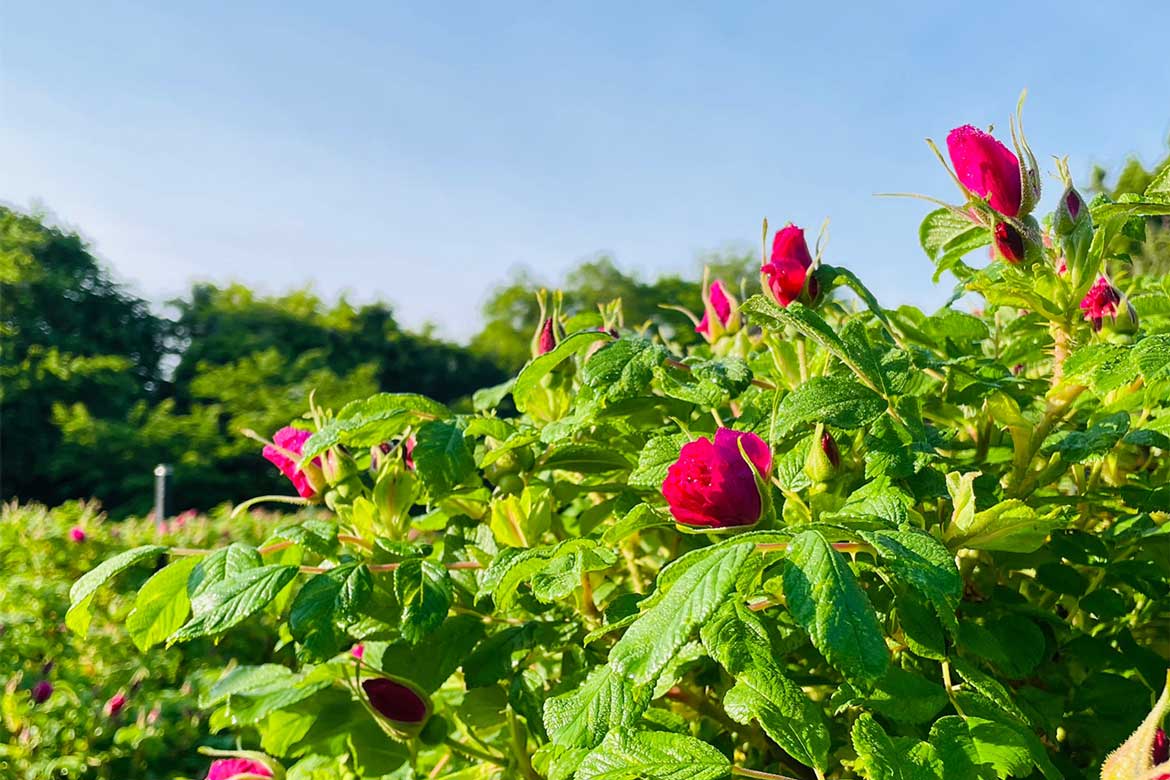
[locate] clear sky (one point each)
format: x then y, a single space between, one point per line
416 152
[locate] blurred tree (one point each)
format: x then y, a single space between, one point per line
1149 259
68 334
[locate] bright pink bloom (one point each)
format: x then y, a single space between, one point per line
1009 243
228 768
788 268
291 440
987 168
396 701
548 338
115 705
77 534
722 306
357 651
712 486
1100 302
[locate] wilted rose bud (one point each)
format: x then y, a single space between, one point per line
115 705
77 534
1009 243
403 707
713 486
237 769
784 276
42 691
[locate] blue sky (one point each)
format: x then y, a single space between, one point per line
417 152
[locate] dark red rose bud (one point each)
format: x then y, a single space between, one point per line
548 339
829 445
1009 244
1161 748
405 707
42 691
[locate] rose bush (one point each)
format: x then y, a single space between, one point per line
833 540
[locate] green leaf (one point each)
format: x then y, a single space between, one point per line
604 702
520 521
1010 526
233 600
876 498
326 600
1094 443
761 692
990 689
653 755
374 755
538 368
423 589
640 518
833 400
901 696
221 564
81 593
371 421
947 237
655 460
1153 357
623 368
824 597
925 564
447 648
318 536
881 758
1158 190
652 641
585 459
162 604
441 456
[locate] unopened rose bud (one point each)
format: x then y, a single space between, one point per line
1069 212
546 340
1100 302
42 691
1161 749
786 274
77 534
357 651
115 705
1009 243
720 312
987 169
403 707
823 457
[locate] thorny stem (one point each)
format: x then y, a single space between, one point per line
946 675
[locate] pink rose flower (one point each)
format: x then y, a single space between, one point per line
115 705
1100 302
987 168
786 272
291 440
229 768
712 486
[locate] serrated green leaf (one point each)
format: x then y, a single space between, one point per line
538 368
441 457
233 600
881 758
651 642
834 400
925 564
424 592
653 755
604 702
623 368
1009 526
1094 443
824 597
81 593
221 564
761 692
585 459
162 604
373 420
655 460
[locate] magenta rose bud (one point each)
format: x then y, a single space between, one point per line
232 768
785 274
712 486
76 534
1069 212
408 452
115 705
1160 753
357 651
1009 244
1100 302
405 707
719 302
42 691
987 168
829 447
290 442
547 340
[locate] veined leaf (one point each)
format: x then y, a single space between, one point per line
233 600
424 593
373 420
538 368
605 701
81 593
441 456
162 605
653 755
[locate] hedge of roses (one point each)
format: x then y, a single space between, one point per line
836 540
